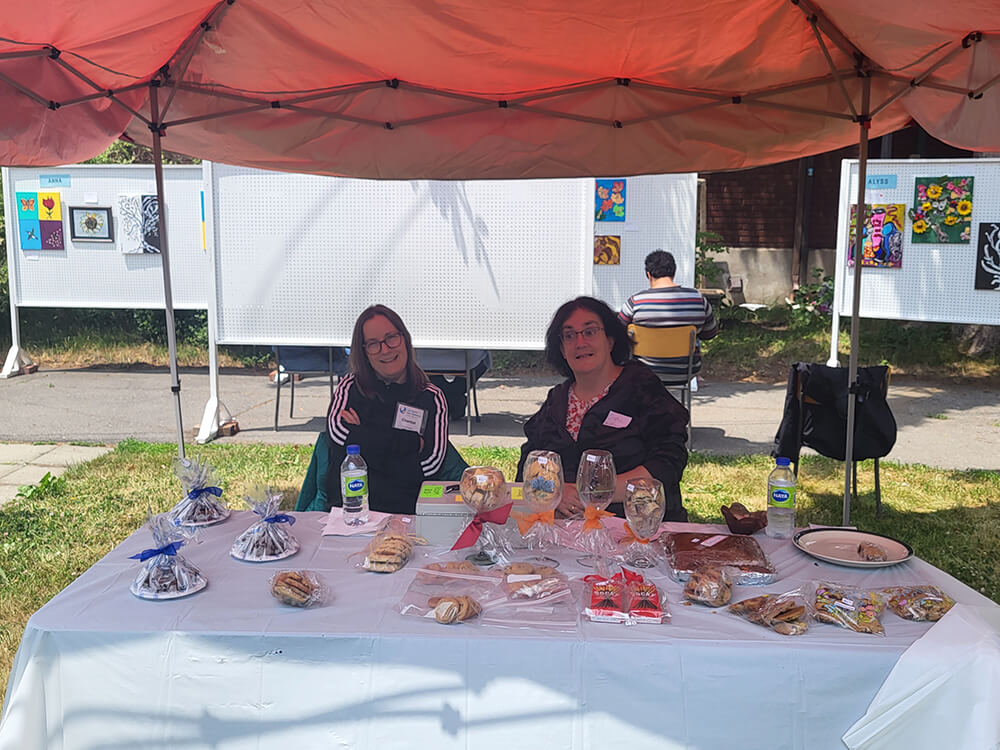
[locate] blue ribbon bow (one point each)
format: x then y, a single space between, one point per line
170 549
280 518
199 491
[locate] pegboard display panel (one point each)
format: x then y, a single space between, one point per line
97 274
936 282
661 213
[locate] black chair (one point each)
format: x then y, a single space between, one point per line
816 415
305 360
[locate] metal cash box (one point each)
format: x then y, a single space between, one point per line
442 516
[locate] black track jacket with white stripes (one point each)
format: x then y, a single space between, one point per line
396 463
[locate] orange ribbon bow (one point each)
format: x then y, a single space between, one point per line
526 520
631 538
592 518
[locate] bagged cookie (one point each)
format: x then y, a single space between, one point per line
202 504
447 599
297 588
165 574
391 548
853 608
787 614
710 585
269 538
524 580
919 602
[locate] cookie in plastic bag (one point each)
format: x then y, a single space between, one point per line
201 505
298 588
920 603
852 608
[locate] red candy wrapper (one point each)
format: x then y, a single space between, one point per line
607 601
644 603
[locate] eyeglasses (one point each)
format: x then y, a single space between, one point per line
569 336
391 341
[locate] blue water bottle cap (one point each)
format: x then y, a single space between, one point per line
355 450
781 460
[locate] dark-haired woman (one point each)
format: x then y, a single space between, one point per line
607 402
388 407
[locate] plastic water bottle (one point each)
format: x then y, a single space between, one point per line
354 487
781 501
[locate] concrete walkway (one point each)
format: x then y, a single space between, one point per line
22 464
946 426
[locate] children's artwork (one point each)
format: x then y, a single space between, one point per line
91 224
138 224
942 210
609 200
988 257
883 235
607 250
39 221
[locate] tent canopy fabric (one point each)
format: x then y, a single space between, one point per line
469 89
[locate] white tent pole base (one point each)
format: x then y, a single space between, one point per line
215 414
16 363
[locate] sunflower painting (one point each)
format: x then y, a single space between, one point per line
942 210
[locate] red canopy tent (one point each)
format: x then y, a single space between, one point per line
466 89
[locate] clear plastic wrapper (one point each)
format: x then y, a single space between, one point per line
644 505
165 574
542 490
849 607
606 601
646 604
711 585
298 588
525 580
269 538
391 548
201 505
448 598
484 491
920 603
787 613
558 611
688 551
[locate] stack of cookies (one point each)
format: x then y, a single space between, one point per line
388 553
784 615
449 609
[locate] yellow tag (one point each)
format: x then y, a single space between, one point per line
517 493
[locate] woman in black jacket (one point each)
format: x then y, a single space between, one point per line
388 407
608 402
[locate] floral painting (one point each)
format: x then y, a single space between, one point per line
882 241
609 200
942 210
607 250
988 257
39 220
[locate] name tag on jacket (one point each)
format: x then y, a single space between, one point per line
409 417
616 420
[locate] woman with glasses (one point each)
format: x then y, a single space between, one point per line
388 407
609 402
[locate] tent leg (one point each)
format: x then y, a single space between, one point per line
216 414
864 125
168 300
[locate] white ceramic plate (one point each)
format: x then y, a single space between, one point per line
840 546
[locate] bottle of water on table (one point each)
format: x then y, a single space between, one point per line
354 487
781 501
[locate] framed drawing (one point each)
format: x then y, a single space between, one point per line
91 224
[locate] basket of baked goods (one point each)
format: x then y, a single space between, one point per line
268 538
689 551
165 574
202 503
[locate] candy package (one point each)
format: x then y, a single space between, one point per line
711 585
447 598
687 552
919 602
201 505
606 601
391 547
787 614
165 574
267 539
298 588
853 608
645 605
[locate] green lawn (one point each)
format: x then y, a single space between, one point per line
50 536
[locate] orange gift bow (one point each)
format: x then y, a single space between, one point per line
593 518
526 520
630 536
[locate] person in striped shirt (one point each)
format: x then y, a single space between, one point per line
667 304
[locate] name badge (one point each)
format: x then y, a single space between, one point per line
409 417
614 419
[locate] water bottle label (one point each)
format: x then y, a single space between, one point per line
355 486
781 497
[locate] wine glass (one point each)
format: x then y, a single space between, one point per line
644 506
595 484
483 489
542 490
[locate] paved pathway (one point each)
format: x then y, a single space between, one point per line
22 464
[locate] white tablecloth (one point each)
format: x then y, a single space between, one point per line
229 667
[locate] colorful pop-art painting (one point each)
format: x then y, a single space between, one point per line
607 250
942 210
39 221
138 224
882 241
609 200
988 257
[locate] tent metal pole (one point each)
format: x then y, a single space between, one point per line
168 299
864 123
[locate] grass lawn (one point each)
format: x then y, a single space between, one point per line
950 518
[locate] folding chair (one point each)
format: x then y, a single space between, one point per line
302 360
676 343
816 415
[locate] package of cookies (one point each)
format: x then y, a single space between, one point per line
920 603
165 574
689 551
525 580
202 504
644 603
391 547
268 538
448 599
849 607
606 601
437 573
298 588
711 585
787 613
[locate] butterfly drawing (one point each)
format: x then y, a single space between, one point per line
27 204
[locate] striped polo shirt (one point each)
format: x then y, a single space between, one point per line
663 307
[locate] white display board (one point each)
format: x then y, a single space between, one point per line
476 264
936 282
98 274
